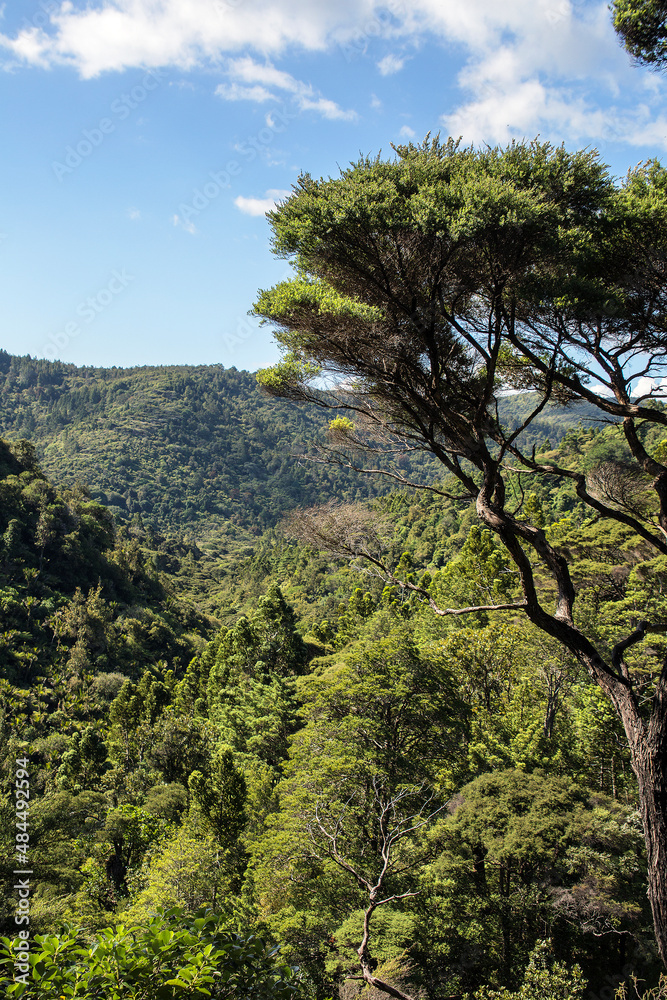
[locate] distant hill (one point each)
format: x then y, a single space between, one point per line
181 446
552 423
191 447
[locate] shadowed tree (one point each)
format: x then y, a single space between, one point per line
642 27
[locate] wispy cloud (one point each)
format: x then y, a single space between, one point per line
390 64
237 92
259 82
260 206
185 224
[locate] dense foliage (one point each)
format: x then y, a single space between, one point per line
183 447
172 957
185 760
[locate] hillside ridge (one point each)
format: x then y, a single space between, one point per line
192 447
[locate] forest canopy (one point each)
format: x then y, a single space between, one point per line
182 760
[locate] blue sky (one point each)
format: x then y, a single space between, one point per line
144 139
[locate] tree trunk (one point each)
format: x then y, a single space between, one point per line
367 963
650 766
647 739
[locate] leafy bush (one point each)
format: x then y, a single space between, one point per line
171 957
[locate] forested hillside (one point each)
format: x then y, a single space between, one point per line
184 447
191 447
272 735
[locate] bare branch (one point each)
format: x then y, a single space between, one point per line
351 531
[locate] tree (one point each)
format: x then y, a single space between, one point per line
642 27
429 284
251 682
383 745
525 856
221 795
188 870
395 817
128 833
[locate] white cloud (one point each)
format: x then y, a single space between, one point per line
237 92
29 46
251 80
407 132
532 66
185 224
641 128
260 206
376 103
546 69
326 108
650 386
602 390
249 71
390 64
95 36
524 108
134 214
